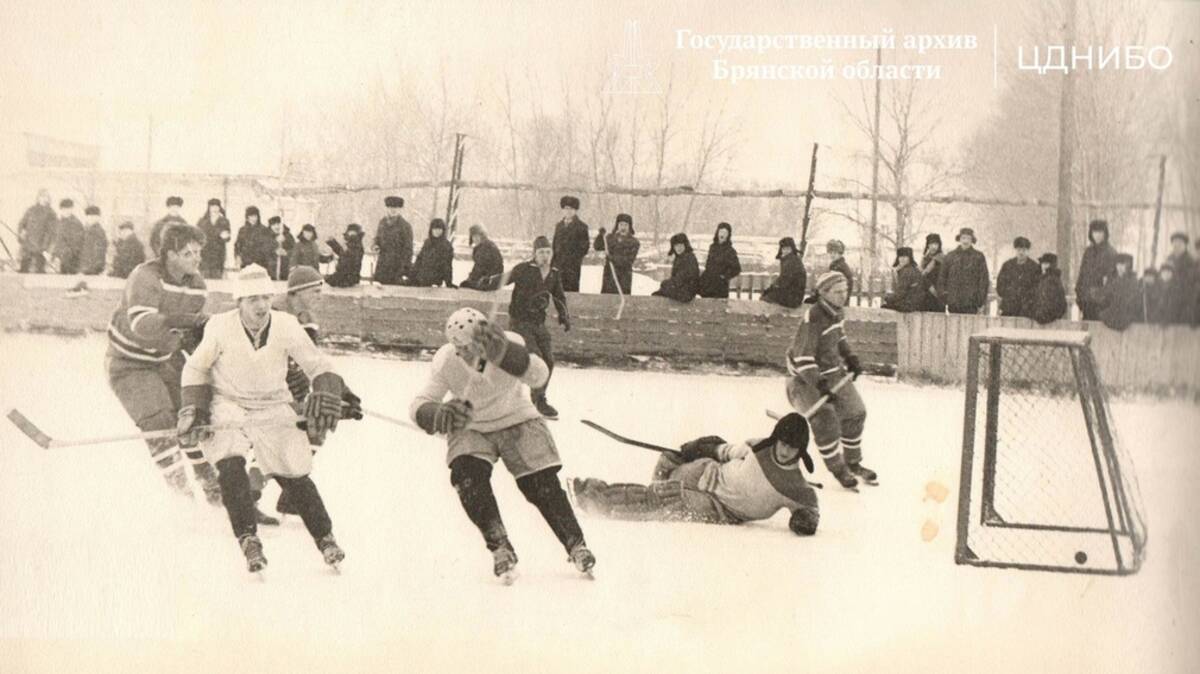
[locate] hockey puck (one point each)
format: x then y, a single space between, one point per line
1081 557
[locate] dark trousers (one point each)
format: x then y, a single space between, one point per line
537 342
33 261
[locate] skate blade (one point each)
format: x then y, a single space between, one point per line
508 577
260 575
589 574
336 568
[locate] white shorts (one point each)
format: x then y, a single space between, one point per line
279 450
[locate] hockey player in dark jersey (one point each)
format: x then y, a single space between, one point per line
711 480
536 285
161 315
819 357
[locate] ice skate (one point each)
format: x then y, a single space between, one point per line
869 476
545 409
504 564
583 559
846 478
330 550
252 548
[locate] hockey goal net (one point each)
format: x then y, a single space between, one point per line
1045 484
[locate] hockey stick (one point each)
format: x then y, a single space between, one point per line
404 423
613 271
820 402
46 442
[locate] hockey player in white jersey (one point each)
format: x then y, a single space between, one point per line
488 373
237 374
711 480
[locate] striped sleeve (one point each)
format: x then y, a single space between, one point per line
143 296
802 356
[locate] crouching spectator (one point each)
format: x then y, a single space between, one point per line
348 271
788 289
620 250
1050 301
685 272
909 293
722 264
489 263
435 261
1122 296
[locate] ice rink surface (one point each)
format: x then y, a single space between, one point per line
101 569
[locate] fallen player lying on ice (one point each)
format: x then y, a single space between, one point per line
711 480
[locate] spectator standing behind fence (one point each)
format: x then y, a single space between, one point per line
685 271
1018 280
1170 302
254 241
537 285
174 204
1181 260
964 278
909 293
35 234
837 262
489 264
393 244
1121 299
128 251
620 249
435 262
1050 304
216 230
94 253
68 239
788 289
1097 266
307 250
571 243
348 271
721 265
282 243
931 273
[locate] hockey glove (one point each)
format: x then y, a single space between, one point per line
824 389
702 448
194 415
853 365
492 341
323 408
446 418
297 381
351 406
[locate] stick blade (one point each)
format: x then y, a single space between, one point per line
29 429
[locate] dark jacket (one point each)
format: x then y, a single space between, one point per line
909 294
685 274
1169 303
1050 302
95 250
620 252
156 232
37 229
307 251
280 258
1017 286
1099 264
964 280
68 244
256 245
839 265
216 236
788 289
489 264
720 267
571 243
1122 302
435 262
394 238
532 295
129 253
1185 267
931 274
348 271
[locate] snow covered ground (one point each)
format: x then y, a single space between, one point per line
102 570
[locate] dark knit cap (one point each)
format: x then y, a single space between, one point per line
394 202
569 202
174 201
1022 242
541 242
66 203
92 210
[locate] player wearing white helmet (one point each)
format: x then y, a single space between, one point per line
487 372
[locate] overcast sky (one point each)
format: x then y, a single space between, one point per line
218 77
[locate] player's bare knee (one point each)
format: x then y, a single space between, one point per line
804 520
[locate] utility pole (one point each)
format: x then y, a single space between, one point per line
1162 175
1066 155
874 238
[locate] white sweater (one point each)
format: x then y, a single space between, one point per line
252 378
498 399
